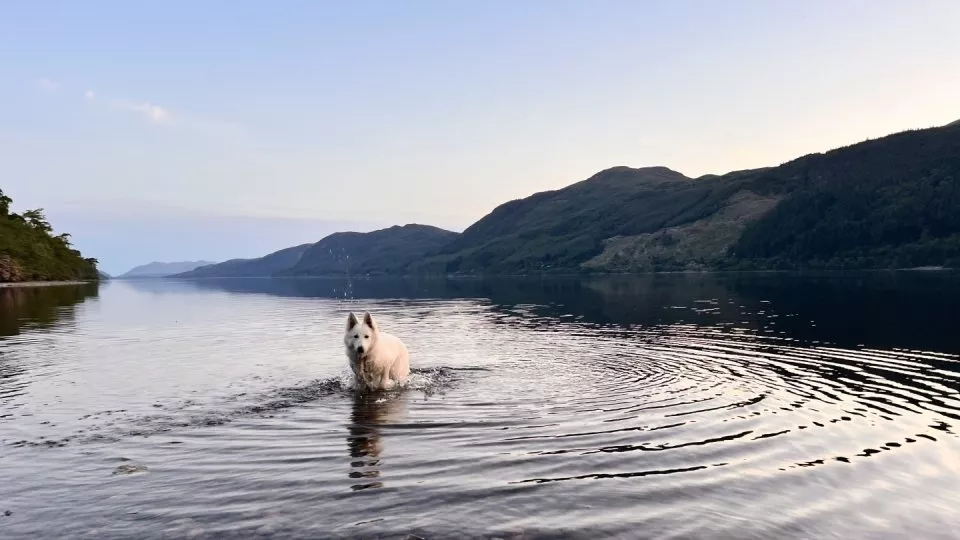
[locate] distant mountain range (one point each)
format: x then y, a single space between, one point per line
260 267
385 252
162 269
388 251
893 202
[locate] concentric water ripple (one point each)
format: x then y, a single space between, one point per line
683 407
673 389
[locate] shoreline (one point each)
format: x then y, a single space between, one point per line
18 284
806 271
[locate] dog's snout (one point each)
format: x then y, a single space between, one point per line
360 349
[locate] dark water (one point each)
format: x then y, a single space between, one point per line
683 406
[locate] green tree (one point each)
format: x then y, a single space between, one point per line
37 220
30 252
4 204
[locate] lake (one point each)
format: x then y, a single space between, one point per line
665 406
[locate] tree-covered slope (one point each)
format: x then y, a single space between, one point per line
887 203
29 251
387 251
891 202
559 231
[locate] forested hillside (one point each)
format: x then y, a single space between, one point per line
887 203
893 202
29 251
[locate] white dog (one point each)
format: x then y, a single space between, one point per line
379 360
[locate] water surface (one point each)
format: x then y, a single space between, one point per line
673 406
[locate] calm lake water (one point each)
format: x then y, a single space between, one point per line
673 406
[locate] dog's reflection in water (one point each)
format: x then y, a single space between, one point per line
371 411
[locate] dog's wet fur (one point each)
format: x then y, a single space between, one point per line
379 361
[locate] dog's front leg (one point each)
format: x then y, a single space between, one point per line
359 380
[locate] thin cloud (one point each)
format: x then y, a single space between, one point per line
46 85
163 116
158 115
154 113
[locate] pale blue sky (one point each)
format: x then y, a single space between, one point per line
190 130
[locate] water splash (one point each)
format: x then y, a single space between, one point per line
114 425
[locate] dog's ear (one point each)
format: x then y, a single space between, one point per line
352 321
368 320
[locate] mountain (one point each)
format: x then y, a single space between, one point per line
387 251
103 275
892 202
29 251
620 219
162 269
265 266
888 203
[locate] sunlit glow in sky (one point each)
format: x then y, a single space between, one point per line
210 130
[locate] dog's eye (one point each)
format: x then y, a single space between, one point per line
366 336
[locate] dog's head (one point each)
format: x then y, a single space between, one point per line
361 334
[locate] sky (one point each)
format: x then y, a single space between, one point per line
211 130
